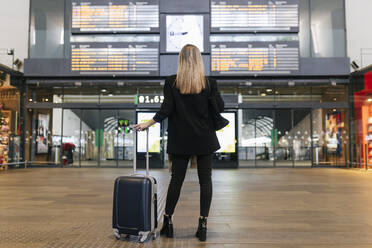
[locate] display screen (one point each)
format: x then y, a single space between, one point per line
226 136
131 58
90 16
254 54
42 133
184 29
333 132
254 15
154 134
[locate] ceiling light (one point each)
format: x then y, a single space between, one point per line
269 90
369 100
103 90
263 94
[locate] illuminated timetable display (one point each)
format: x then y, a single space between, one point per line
254 15
254 55
115 58
115 16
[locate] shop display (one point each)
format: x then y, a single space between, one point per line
5 125
333 132
369 133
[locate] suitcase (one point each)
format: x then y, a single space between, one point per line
135 202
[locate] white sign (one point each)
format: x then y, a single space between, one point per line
184 29
154 134
226 136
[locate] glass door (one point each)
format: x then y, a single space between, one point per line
90 137
283 137
256 147
71 139
302 139
124 140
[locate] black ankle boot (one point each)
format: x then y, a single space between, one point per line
201 233
167 228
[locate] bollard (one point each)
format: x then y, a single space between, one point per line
366 156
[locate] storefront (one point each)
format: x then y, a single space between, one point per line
10 130
361 106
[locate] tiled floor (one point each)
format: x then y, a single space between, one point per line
264 208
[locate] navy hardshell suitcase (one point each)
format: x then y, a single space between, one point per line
135 202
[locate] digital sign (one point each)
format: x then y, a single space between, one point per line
226 136
149 99
182 30
96 16
254 16
154 134
130 58
241 55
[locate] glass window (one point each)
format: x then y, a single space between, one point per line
47 29
255 94
304 33
292 94
117 95
81 95
327 28
336 93
330 137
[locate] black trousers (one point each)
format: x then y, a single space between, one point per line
179 167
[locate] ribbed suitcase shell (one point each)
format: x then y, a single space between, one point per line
134 199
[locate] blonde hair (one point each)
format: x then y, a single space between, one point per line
190 74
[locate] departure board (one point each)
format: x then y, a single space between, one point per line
119 16
254 57
254 16
115 58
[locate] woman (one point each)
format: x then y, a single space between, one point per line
190 132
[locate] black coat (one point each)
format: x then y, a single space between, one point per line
190 128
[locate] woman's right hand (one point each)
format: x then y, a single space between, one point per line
144 126
141 126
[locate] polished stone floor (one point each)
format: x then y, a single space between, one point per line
263 208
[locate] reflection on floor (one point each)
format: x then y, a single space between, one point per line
242 163
264 208
270 163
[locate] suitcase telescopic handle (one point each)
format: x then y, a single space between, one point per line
135 151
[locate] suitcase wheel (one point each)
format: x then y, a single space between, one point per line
117 234
144 236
